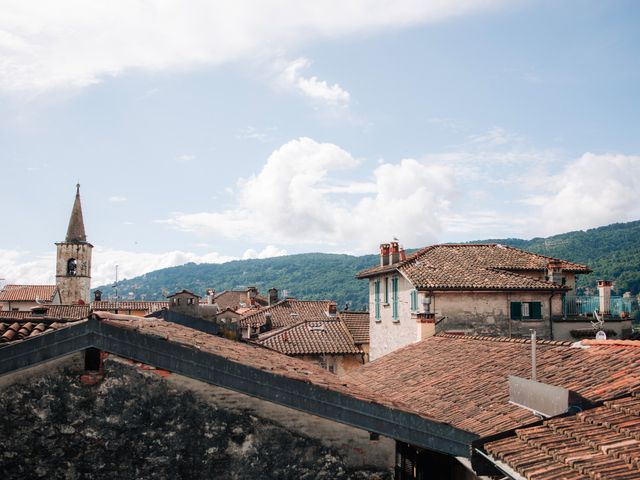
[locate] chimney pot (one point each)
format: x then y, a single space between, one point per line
394 256
384 254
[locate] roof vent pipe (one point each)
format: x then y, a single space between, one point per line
533 355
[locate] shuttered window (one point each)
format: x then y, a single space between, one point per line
526 310
414 300
394 297
377 298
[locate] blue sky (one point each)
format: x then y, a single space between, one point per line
248 129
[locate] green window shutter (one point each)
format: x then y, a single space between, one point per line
516 310
414 300
386 289
394 298
535 310
377 299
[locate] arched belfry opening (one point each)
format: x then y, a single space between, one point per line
72 267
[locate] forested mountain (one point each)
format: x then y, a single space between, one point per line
613 252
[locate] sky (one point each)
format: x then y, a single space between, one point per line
210 131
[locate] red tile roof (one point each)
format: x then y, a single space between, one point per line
462 380
244 353
14 331
601 443
28 293
358 325
149 307
57 312
289 312
329 337
474 267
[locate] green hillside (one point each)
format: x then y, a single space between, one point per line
613 252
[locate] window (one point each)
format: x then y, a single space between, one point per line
394 297
377 298
526 310
414 300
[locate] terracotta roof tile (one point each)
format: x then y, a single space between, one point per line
358 325
329 337
288 312
149 307
28 293
20 330
58 312
475 267
462 380
602 443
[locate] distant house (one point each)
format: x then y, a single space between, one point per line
311 330
358 325
487 289
242 300
25 297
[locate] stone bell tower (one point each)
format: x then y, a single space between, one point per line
73 260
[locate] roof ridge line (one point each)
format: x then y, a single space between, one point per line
558 343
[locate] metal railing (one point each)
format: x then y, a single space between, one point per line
583 305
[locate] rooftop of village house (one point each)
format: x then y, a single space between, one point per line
470 266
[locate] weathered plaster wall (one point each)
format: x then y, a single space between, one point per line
137 425
338 364
387 334
488 313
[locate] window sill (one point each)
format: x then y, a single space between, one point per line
378 320
396 320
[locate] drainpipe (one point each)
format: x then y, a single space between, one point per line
533 355
551 314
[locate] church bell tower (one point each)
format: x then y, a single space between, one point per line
73 260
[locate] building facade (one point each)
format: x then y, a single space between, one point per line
486 289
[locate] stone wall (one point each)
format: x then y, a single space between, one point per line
136 424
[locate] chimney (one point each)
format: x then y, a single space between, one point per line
211 295
394 254
252 293
604 287
332 309
273 296
554 271
403 255
97 296
268 322
384 254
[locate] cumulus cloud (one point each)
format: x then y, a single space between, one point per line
292 201
23 267
72 43
311 87
590 191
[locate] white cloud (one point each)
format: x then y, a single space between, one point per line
24 267
317 90
267 252
591 191
292 201
72 43
252 133
184 158
117 199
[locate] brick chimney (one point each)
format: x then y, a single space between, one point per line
394 253
273 296
384 254
403 255
604 288
332 309
252 293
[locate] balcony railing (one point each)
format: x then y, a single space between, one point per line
582 305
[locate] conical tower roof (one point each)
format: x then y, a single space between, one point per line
75 231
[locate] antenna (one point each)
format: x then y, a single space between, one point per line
599 326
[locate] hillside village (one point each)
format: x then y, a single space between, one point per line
471 361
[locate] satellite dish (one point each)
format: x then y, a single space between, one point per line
601 335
